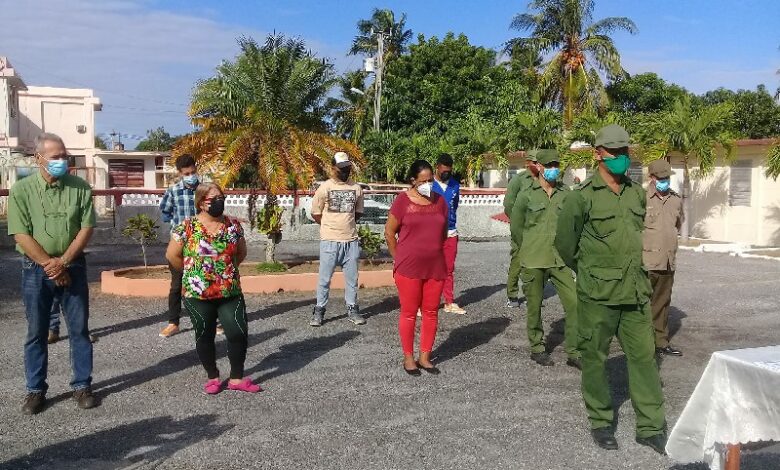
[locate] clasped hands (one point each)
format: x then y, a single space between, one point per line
57 272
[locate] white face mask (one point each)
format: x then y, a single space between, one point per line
425 189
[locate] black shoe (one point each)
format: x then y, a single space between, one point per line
575 362
543 359
668 351
604 438
84 398
657 442
431 370
353 315
34 403
317 316
413 372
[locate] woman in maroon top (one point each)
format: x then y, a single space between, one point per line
418 218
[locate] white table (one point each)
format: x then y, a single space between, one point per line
736 401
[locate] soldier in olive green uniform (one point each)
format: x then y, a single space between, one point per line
599 236
517 185
533 224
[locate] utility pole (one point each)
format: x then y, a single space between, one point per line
380 69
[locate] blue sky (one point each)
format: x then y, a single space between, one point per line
142 57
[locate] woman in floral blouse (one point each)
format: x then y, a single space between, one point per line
208 248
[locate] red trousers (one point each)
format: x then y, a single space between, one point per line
423 295
450 253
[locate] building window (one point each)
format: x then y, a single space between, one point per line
126 173
740 183
635 172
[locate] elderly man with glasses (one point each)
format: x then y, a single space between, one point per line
51 217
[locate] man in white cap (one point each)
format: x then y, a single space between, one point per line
337 205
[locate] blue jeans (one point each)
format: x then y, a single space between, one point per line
38 293
54 319
346 255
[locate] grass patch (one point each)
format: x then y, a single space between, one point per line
275 267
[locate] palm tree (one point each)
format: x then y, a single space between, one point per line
773 161
261 119
382 21
695 134
351 111
581 50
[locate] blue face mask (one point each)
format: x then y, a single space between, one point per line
190 180
57 168
662 185
551 174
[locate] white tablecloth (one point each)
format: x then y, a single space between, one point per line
736 401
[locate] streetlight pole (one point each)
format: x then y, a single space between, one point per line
380 69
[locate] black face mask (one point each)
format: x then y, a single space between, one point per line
217 207
445 176
343 173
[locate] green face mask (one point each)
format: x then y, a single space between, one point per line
618 165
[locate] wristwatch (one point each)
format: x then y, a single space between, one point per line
65 262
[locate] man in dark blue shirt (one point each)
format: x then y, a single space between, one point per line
449 188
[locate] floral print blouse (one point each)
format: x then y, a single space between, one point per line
210 270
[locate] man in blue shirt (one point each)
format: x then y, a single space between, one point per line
177 204
449 188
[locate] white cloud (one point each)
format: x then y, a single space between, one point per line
142 62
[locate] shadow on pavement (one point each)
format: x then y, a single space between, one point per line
478 294
167 366
468 337
556 335
149 441
675 320
295 356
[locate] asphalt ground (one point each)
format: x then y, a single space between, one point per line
336 397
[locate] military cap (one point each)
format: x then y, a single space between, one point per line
531 155
547 156
612 137
660 169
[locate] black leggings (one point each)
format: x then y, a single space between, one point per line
231 312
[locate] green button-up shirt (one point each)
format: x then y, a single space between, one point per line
599 235
53 214
533 223
516 185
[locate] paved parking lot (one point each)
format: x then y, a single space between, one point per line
336 397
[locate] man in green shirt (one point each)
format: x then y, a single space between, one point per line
599 236
51 217
516 186
533 224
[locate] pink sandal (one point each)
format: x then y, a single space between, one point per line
213 387
245 385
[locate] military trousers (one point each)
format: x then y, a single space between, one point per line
662 282
631 324
513 277
562 278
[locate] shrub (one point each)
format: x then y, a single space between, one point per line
143 230
370 242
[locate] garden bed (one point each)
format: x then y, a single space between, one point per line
299 277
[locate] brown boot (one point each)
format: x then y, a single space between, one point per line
84 398
54 336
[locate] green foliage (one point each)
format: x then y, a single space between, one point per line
157 140
269 219
580 50
271 267
370 242
351 112
100 143
262 117
143 230
773 161
382 20
643 93
756 113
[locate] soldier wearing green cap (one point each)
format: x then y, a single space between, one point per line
662 225
533 224
599 236
517 185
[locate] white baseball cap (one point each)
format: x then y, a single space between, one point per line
342 160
